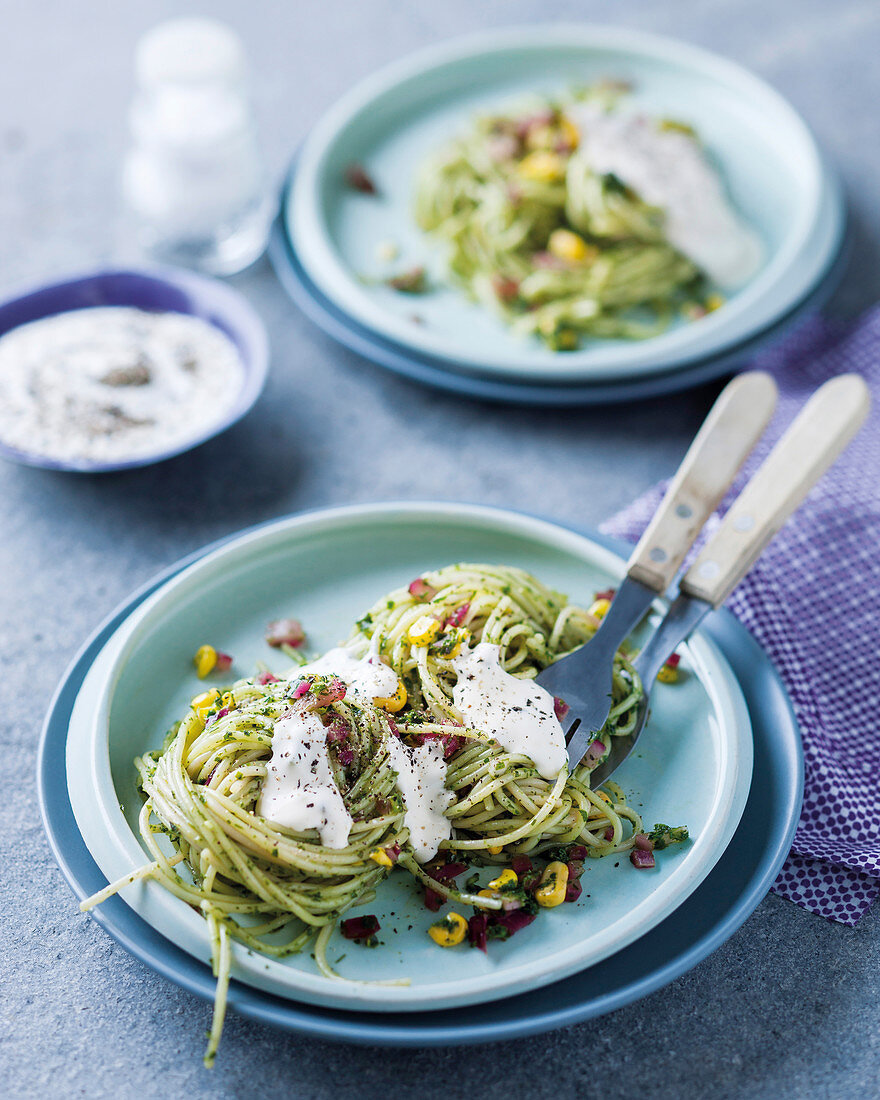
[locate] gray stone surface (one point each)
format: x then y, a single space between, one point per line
788 1007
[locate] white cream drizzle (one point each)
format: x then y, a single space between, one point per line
299 791
668 169
421 780
421 771
519 714
367 677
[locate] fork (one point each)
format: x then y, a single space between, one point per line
735 423
811 444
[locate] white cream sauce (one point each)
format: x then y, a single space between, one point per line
113 383
299 791
421 780
421 771
519 714
366 677
668 169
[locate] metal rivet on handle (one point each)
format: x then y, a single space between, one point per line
709 570
657 554
684 511
745 522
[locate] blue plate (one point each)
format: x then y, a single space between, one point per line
396 118
439 374
156 288
726 898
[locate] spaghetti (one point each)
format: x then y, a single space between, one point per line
560 247
277 884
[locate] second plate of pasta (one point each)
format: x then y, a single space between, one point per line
570 204
208 757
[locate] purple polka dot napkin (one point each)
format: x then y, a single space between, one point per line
813 602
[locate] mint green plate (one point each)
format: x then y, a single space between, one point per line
694 764
394 119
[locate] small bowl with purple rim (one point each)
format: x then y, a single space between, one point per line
154 290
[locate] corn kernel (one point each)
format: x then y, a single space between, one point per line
205 660
566 245
494 849
450 931
667 675
505 878
542 166
600 609
201 704
713 302
569 132
381 857
423 631
554 883
227 699
394 702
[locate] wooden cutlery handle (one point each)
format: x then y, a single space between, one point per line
732 428
819 433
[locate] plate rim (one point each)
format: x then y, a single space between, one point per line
607 362
116 848
165 959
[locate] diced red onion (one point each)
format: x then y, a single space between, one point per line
547 260
541 118
641 859
285 632
224 661
419 589
334 691
514 920
458 615
433 900
573 890
338 730
345 756
575 869
451 745
393 852
301 689
506 290
560 707
509 904
606 594
221 713
644 842
477 930
609 833
503 147
266 678
673 660
593 754
360 928
520 865
578 851
446 871
357 178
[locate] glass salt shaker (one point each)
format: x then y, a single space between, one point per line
193 179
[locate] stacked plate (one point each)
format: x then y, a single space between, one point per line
631 933
326 234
